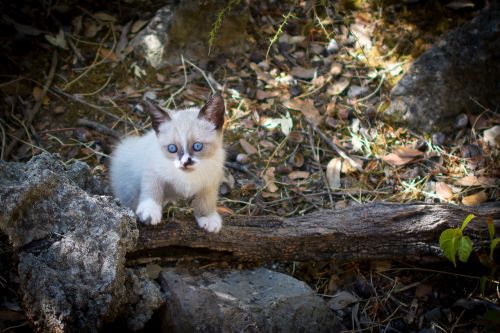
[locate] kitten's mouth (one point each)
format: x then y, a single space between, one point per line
187 168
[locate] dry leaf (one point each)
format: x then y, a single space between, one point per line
269 180
333 173
297 160
303 73
138 25
306 107
261 94
423 290
104 17
224 211
108 54
295 137
396 160
338 87
261 75
336 68
341 300
408 152
475 199
247 147
37 93
443 191
267 145
298 175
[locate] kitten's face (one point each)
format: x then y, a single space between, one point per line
191 137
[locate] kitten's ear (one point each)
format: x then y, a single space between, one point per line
213 111
158 115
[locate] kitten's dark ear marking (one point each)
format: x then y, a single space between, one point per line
158 115
213 111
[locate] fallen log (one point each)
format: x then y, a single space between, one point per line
365 232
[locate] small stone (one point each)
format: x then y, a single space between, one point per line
492 136
461 121
471 151
331 122
357 91
295 90
332 46
60 109
242 158
438 139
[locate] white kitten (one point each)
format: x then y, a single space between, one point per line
182 156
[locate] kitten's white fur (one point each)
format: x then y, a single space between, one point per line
144 176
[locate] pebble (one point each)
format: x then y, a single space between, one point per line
332 46
438 139
461 121
295 90
242 158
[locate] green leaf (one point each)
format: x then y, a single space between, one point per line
493 244
466 221
448 243
464 248
482 284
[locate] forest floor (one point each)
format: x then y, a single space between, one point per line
315 82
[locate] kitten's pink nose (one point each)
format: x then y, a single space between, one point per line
187 162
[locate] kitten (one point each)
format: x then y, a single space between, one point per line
182 156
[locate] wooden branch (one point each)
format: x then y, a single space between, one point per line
365 232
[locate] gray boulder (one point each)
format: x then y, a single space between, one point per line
184 29
444 81
71 244
257 300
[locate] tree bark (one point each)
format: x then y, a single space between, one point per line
365 232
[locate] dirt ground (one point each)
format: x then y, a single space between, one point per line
314 80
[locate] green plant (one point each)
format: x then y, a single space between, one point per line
454 243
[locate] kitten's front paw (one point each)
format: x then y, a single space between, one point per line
149 212
211 223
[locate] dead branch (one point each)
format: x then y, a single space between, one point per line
365 232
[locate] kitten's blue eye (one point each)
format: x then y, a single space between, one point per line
172 148
197 146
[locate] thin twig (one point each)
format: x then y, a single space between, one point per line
339 150
32 112
242 168
318 162
98 127
78 99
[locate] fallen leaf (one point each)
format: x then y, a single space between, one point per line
269 180
298 175
267 144
37 93
335 68
297 160
261 75
408 152
104 17
224 211
338 87
247 147
306 107
341 300
333 173
423 290
303 73
460 4
396 160
108 54
262 94
475 199
443 191
285 123
58 40
138 25
295 137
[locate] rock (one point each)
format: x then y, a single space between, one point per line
184 29
492 137
457 74
461 121
71 244
257 300
438 139
144 297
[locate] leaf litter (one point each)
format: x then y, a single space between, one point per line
289 135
